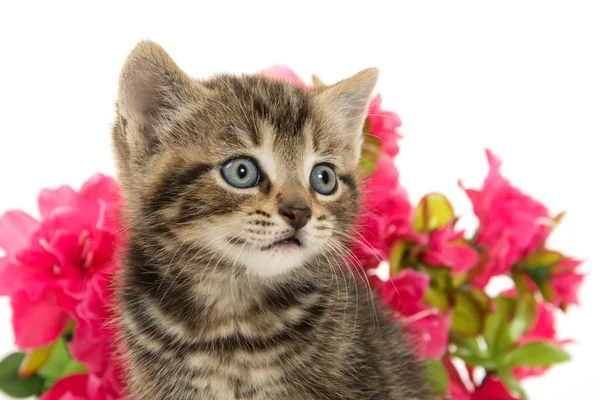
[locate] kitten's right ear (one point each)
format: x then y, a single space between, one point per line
151 89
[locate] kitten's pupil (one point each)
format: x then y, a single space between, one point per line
242 171
324 176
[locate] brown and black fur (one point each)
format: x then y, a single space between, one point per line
196 321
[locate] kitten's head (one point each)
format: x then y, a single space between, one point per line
248 169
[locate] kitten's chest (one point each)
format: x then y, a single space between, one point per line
240 373
254 355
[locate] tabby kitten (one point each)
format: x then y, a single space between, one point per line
240 195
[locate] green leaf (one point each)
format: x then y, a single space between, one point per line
466 342
535 354
370 153
34 360
520 282
525 314
547 291
467 316
59 365
439 277
475 359
434 211
396 255
495 332
481 298
511 383
14 386
437 374
542 258
538 273
437 298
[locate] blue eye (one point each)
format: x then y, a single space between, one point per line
241 173
323 180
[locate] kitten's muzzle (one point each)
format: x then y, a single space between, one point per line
296 216
289 241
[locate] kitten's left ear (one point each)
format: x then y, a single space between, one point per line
348 101
152 88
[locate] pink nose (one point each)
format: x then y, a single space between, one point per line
296 216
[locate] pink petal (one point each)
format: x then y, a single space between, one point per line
438 238
405 289
65 246
73 387
456 386
569 263
107 216
49 199
99 187
566 287
105 387
461 258
384 125
492 389
543 328
38 323
16 227
431 333
385 176
495 163
284 73
527 372
432 257
96 190
6 283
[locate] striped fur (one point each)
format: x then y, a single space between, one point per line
208 309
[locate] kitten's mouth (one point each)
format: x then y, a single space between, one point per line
291 241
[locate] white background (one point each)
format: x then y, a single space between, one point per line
521 78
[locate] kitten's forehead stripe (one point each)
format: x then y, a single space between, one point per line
283 106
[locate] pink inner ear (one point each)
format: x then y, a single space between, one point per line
145 95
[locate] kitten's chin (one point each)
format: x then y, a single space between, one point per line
271 261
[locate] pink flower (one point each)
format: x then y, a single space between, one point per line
283 73
512 224
94 340
428 326
491 388
447 248
456 386
73 387
104 387
544 329
566 282
386 216
49 262
79 387
384 125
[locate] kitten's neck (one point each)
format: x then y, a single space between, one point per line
202 300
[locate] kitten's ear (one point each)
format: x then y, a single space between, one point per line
151 90
348 101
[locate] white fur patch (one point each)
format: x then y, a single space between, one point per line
234 242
